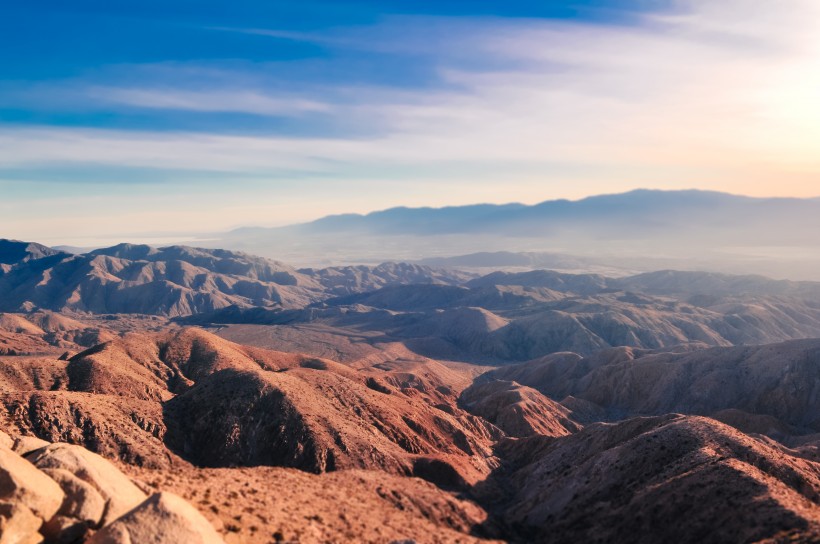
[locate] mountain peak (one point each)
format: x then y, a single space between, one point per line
16 251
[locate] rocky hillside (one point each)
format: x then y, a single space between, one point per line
510 323
345 280
772 389
273 446
662 479
193 396
171 404
179 281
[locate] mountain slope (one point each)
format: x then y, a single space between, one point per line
179 280
346 280
662 479
139 279
778 381
15 251
488 322
190 395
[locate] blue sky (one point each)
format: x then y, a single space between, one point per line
150 120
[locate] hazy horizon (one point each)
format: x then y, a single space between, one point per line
614 234
158 238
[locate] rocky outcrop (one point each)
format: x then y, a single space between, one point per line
24 445
82 500
18 524
65 494
162 517
118 492
22 483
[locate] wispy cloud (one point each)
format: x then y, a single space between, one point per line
226 100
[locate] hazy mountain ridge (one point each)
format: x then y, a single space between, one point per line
181 280
640 230
14 251
640 208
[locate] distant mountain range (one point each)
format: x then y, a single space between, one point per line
641 230
436 313
505 317
179 280
635 209
615 235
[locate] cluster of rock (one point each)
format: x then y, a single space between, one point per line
64 494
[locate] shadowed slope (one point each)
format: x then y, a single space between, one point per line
318 420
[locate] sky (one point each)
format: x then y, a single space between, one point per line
160 120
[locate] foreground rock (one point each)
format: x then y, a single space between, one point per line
21 483
24 445
82 501
65 493
119 493
18 524
163 517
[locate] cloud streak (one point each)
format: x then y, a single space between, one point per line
231 101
